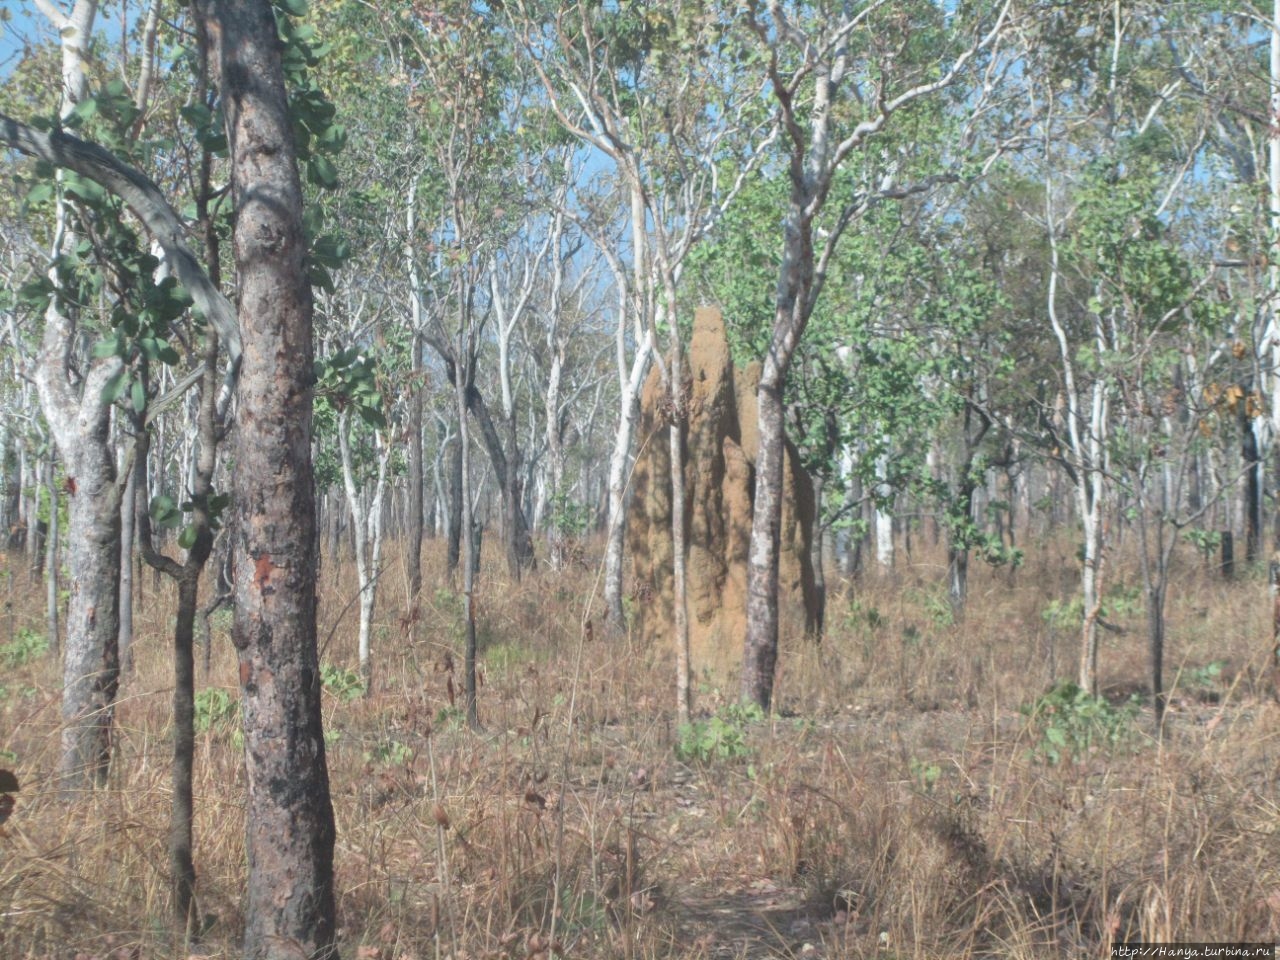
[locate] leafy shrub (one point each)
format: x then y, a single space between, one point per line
721 736
1072 724
390 752
216 710
346 685
26 645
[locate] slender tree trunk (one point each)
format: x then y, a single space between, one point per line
761 650
289 903
619 470
679 547
883 516
51 561
417 479
182 808
456 508
127 521
366 524
470 552
413 529
1253 469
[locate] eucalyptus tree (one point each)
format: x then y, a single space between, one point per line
98 259
838 78
1111 113
79 419
1216 50
659 96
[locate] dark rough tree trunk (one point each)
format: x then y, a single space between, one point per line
1253 469
187 576
455 507
289 904
519 542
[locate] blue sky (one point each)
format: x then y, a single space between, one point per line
24 23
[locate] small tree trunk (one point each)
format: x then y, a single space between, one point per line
413 529
680 613
470 553
127 521
619 470
51 562
760 655
91 665
454 546
417 483
1252 457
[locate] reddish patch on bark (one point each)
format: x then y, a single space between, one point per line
70 484
245 672
262 570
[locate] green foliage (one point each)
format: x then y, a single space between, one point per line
344 684
926 774
390 753
1207 542
935 602
863 616
349 378
1205 677
216 711
569 517
26 645
720 737
1072 725
1120 601
452 718
166 514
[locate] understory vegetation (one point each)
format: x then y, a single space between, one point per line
925 788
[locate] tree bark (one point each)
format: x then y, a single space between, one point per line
454 549
417 478
413 529
51 560
760 655
289 904
91 665
127 524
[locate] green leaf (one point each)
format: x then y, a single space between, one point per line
84 110
295 8
40 193
83 189
35 293
139 397
322 173
187 538
112 389
109 347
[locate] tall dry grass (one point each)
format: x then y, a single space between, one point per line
894 808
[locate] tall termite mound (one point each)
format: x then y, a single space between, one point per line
720 446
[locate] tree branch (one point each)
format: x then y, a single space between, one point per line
147 202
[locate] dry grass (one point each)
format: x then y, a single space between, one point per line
893 809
